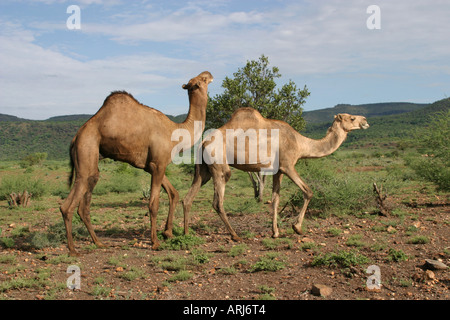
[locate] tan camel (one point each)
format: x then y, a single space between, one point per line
291 147
125 130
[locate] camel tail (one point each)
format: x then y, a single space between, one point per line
72 164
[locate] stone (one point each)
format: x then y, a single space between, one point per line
321 290
429 275
434 265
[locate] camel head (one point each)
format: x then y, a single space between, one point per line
350 122
199 82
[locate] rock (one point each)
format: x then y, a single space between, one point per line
391 229
429 275
434 265
321 290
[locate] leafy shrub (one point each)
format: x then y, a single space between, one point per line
342 258
237 250
33 159
397 255
433 143
180 241
336 192
269 262
18 184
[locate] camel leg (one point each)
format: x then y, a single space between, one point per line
67 209
157 178
173 200
84 209
275 201
220 178
307 195
201 176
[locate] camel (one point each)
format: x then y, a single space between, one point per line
291 147
125 130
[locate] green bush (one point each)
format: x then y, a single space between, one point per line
270 262
341 258
18 184
334 192
33 159
433 143
180 241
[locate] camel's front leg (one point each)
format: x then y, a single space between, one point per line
275 201
157 178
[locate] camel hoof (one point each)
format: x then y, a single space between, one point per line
74 253
167 234
236 238
297 229
101 245
275 235
155 246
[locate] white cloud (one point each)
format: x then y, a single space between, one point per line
38 83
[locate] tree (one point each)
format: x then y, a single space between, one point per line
254 86
433 143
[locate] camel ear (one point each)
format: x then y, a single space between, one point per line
338 117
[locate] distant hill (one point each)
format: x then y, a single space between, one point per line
21 137
6 117
367 110
385 129
74 117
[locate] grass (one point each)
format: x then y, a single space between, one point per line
270 262
237 250
180 241
339 259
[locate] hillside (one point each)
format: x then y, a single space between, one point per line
389 122
21 137
385 128
367 110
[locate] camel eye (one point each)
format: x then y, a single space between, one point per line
353 118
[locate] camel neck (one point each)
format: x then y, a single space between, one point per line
327 145
197 113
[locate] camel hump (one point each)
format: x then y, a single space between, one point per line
117 96
246 113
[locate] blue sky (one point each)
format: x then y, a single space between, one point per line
150 48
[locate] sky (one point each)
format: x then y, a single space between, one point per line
342 52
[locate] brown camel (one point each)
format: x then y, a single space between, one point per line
290 147
125 130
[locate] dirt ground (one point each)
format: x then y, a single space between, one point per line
130 269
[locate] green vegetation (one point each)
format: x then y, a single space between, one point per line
254 86
340 259
180 241
270 262
433 143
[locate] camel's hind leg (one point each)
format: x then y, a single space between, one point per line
84 209
221 174
85 161
67 209
201 176
307 195
173 200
